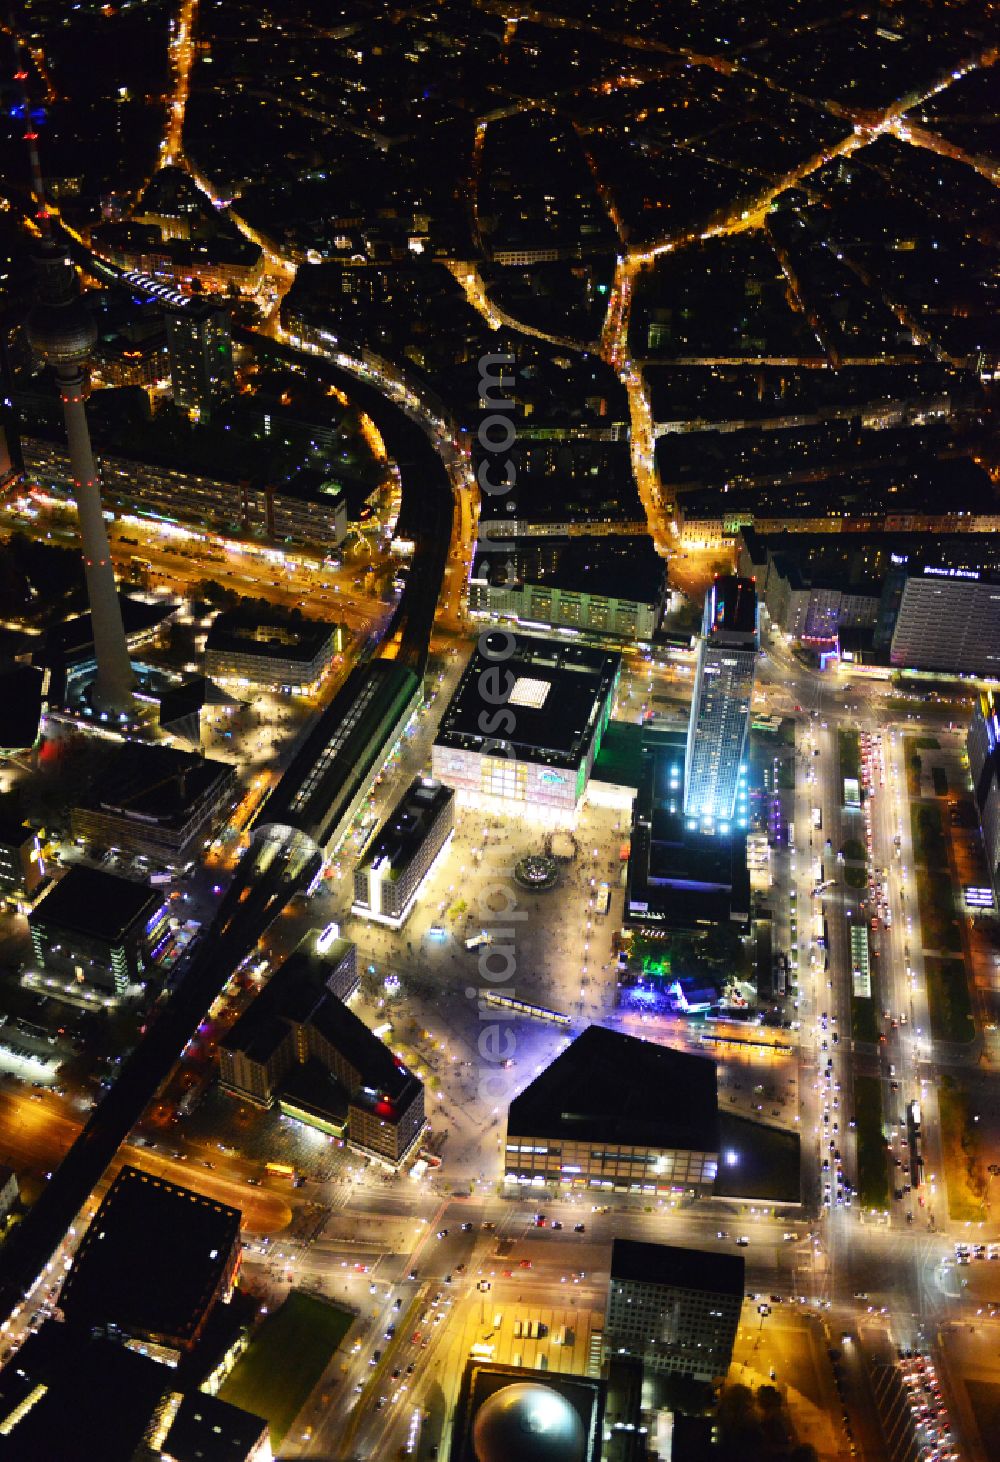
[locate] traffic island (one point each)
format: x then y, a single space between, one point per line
939 926
873 1173
948 1000
964 1174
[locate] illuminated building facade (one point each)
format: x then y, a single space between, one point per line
300 1046
983 743
22 871
287 513
399 856
602 584
101 931
948 619
200 348
295 656
715 766
617 1114
157 801
678 1310
525 723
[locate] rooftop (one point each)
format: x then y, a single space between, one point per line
206 1429
609 1087
14 831
608 565
73 639
296 995
679 877
20 707
757 1161
113 1282
88 1388
684 1268
731 607
555 693
407 825
303 639
157 784
337 755
99 905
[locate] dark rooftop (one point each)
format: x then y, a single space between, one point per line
609 1087
557 691
73 639
14 832
757 1161
99 905
733 606
296 995
685 1268
206 1429
246 634
679 877
312 1088
407 825
189 1239
615 567
20 707
98 1398
157 784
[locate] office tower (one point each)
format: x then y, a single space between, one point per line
948 619
63 335
200 346
715 761
677 1310
399 857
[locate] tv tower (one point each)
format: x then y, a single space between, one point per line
62 334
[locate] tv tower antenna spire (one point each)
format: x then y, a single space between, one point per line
63 335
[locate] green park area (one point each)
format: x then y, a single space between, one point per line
856 875
864 1019
939 926
285 1359
849 746
948 1000
873 1174
930 846
963 1167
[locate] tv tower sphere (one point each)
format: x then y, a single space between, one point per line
59 328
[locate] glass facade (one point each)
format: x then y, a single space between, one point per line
715 770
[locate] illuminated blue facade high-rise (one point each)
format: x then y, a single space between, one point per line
715 766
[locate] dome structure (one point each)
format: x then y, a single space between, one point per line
528 1422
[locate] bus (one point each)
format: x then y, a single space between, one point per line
602 900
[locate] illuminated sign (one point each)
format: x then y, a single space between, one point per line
947 573
551 779
329 935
